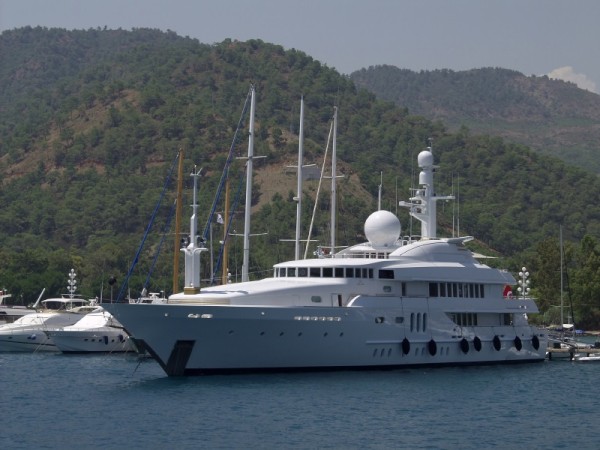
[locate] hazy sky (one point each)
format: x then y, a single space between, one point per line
560 38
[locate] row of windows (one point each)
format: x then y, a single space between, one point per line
470 319
466 290
464 319
332 272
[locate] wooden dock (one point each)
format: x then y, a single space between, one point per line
570 353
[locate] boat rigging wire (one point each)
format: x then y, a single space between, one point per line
225 174
148 228
312 220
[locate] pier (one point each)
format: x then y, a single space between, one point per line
571 352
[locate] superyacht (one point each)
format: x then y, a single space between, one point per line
390 302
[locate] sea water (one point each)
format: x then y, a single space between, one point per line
58 401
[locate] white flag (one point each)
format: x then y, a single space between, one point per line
220 219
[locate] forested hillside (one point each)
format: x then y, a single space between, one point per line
91 123
551 116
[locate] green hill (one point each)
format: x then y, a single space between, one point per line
91 122
551 116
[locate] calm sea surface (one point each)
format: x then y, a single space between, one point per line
120 401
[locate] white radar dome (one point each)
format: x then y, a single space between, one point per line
382 228
425 158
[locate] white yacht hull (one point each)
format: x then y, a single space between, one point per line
188 340
28 334
101 340
26 340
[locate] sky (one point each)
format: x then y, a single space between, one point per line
558 38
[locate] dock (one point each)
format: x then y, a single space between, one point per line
571 352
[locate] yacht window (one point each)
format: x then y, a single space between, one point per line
315 272
315 299
442 289
302 271
349 272
357 273
370 273
424 321
412 322
454 290
403 289
471 290
291 272
365 273
387 289
481 291
433 289
339 272
327 272
386 274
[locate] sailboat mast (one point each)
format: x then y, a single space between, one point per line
225 275
178 211
379 193
299 173
562 319
247 211
333 180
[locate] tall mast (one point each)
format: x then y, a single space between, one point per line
562 319
299 173
225 275
379 193
178 208
333 180
247 211
193 250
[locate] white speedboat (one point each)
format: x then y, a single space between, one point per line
97 331
387 303
10 312
27 334
586 357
